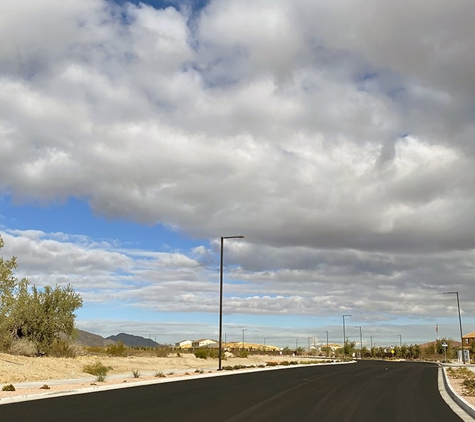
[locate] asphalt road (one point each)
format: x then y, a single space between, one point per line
365 391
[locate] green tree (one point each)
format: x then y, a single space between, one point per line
349 348
39 315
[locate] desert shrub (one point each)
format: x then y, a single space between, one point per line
205 353
8 387
45 387
23 347
61 349
469 386
135 373
160 374
460 373
116 349
162 352
95 350
201 353
272 363
97 369
239 366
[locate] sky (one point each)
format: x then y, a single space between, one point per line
337 137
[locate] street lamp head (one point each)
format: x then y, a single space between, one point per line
450 293
233 237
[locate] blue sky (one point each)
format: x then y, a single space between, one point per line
134 135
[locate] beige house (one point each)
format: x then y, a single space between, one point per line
184 344
205 342
469 338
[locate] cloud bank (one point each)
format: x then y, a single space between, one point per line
338 137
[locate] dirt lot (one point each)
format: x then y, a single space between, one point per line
21 369
42 371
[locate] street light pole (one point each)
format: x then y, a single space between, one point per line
400 340
327 343
220 346
460 320
361 340
344 333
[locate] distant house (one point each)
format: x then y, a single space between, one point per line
184 344
205 342
468 339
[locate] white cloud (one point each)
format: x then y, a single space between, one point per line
336 137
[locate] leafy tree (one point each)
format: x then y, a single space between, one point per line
349 348
28 312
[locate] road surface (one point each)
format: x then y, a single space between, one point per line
362 391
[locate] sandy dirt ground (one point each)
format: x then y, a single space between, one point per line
21 369
44 372
457 386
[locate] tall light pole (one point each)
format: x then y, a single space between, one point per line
220 346
400 340
344 333
327 343
361 340
371 339
460 320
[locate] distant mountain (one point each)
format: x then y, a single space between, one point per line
134 341
85 338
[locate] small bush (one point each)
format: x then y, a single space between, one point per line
201 353
160 374
241 353
8 387
136 373
45 387
97 369
117 350
23 347
469 386
460 373
61 349
162 352
96 350
205 353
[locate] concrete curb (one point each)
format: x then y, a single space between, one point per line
466 406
